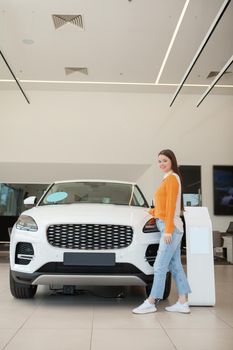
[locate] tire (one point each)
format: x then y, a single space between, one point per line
167 287
21 290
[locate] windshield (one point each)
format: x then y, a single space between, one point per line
94 192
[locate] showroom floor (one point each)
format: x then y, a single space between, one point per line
101 321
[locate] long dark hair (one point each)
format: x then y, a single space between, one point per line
170 154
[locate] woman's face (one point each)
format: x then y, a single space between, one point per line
165 163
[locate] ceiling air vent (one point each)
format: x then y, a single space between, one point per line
215 73
61 20
71 70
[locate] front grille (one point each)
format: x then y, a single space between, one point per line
25 249
89 236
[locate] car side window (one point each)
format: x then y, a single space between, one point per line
138 199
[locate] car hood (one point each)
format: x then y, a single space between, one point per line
89 213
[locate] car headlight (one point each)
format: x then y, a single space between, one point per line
26 223
150 226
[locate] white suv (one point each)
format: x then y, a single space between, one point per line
84 232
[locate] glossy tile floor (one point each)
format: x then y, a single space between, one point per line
89 322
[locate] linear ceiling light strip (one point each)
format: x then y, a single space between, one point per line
16 80
172 41
75 82
202 46
220 74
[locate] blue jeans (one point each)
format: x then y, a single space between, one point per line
169 259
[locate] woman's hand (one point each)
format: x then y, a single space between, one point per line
167 238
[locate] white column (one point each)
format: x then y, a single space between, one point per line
200 261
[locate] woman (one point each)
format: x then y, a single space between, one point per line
168 205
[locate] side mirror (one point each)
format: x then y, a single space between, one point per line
30 200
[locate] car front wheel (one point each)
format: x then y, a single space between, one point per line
21 290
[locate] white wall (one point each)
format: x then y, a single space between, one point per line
116 128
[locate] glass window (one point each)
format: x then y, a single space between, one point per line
137 198
93 192
12 196
191 178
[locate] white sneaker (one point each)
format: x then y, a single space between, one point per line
145 308
178 307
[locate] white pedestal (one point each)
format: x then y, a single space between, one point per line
200 263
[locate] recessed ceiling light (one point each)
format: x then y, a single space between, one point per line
28 41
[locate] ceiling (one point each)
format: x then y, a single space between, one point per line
123 44
31 172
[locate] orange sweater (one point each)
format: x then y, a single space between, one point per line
165 202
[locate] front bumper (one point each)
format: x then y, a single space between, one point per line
58 273
44 253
